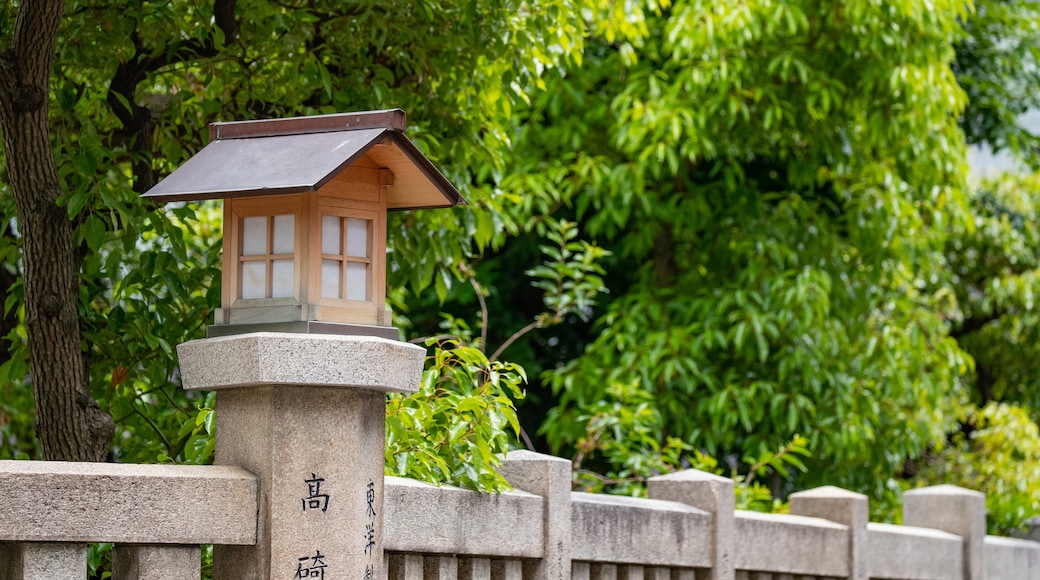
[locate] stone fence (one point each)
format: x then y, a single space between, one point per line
687 530
299 493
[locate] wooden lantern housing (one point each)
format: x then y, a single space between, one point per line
305 202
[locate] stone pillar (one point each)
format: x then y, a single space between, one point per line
43 561
844 507
549 477
306 414
713 494
955 510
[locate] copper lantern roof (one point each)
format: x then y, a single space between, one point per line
301 154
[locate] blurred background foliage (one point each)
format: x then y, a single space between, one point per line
736 236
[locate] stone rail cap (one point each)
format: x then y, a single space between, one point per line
637 531
525 455
913 531
911 552
789 520
273 358
827 492
640 503
419 517
55 501
945 489
690 475
791 544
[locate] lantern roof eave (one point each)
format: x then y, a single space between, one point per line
301 154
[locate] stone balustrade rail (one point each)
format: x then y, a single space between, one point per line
159 514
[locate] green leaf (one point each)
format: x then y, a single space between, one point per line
94 232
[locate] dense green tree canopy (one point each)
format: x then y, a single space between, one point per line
134 85
778 178
742 223
783 189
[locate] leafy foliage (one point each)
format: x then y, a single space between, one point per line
621 440
790 205
993 269
132 91
997 56
747 223
455 429
999 455
989 299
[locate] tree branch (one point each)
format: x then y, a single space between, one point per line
516 335
224 16
483 313
122 90
975 324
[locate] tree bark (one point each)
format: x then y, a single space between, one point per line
69 423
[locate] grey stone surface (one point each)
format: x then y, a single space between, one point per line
449 520
1011 559
475 569
625 530
270 358
791 544
604 572
50 501
406 567
507 570
909 552
713 494
844 507
550 478
955 510
156 563
43 561
581 571
307 445
440 568
631 573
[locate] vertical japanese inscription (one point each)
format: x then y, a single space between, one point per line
370 528
315 499
313 566
370 498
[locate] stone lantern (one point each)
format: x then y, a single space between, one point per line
301 354
305 202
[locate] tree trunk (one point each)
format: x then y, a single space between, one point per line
69 423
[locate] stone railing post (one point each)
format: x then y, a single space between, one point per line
955 510
43 561
158 562
713 494
306 414
843 507
549 477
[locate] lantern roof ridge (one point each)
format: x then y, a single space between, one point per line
302 154
390 119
